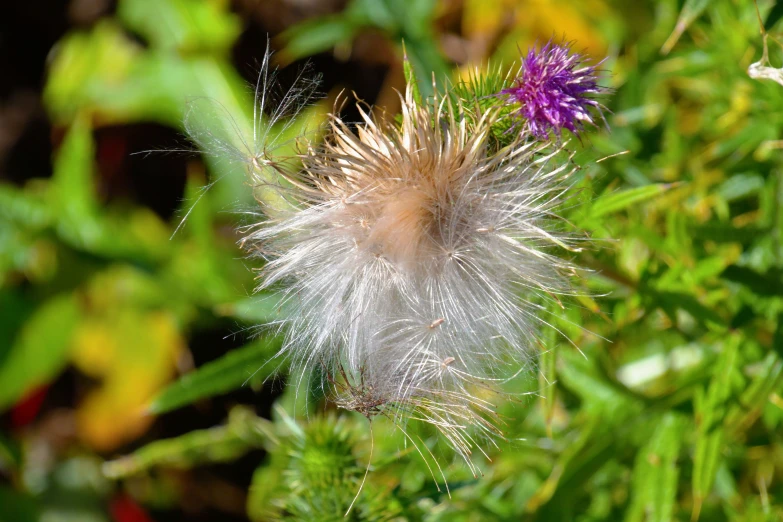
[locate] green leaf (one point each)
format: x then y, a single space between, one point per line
243 432
40 350
254 362
10 454
727 233
260 309
427 60
616 201
184 25
711 409
655 473
741 186
756 395
73 189
86 68
671 301
105 73
408 21
72 198
774 16
16 507
317 35
585 379
24 208
266 482
768 285
777 341
199 215
690 12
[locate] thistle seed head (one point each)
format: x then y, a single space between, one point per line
415 255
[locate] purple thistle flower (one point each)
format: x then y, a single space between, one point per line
555 91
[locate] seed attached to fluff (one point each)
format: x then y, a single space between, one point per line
555 90
414 262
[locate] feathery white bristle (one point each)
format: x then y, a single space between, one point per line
254 145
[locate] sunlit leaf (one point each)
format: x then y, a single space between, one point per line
183 25
258 310
656 473
767 379
41 348
316 36
131 347
252 363
617 201
73 189
243 432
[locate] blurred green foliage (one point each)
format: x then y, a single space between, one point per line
671 409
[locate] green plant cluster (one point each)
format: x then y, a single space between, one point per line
662 398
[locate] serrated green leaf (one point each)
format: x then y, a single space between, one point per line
610 203
243 432
40 350
252 362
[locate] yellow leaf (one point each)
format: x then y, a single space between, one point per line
538 21
134 352
94 348
482 18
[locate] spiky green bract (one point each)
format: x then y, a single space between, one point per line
323 476
475 94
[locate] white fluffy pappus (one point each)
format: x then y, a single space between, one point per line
259 147
415 260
